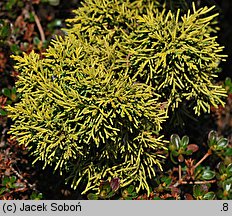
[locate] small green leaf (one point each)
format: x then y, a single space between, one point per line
209 196
13 90
92 196
15 49
229 169
222 143
36 41
208 174
5 31
212 138
6 92
13 179
228 152
2 190
199 190
167 180
31 17
130 189
175 140
221 167
184 141
3 112
5 180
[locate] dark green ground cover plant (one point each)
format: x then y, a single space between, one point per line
89 88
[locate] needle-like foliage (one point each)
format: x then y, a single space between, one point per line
79 118
94 105
177 54
106 19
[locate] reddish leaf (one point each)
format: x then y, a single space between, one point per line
35 1
188 196
193 147
114 184
181 158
